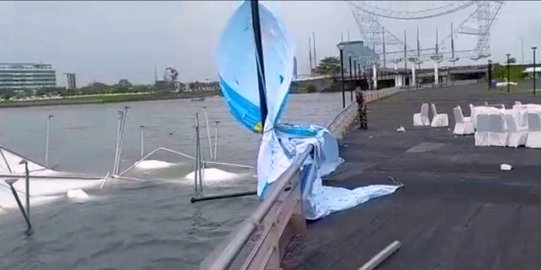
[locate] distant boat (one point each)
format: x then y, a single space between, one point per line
198 99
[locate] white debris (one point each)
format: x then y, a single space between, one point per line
77 195
213 175
506 167
401 129
500 84
153 164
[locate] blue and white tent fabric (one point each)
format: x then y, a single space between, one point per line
281 143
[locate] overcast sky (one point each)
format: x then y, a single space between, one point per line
107 41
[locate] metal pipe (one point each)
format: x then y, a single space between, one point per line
350 78
10 182
142 136
47 140
125 116
508 75
315 54
223 196
342 77
208 131
233 247
27 185
216 140
196 154
5 160
52 176
355 75
405 51
259 61
310 53
230 164
533 49
489 71
119 124
381 256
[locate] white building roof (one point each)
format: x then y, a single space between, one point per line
530 70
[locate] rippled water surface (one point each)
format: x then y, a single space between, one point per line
144 224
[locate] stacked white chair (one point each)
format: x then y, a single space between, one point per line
463 126
516 134
439 120
498 130
421 118
534 130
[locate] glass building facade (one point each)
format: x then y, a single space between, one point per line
21 76
363 55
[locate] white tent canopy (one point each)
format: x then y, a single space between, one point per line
531 70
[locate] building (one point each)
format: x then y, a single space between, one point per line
529 72
364 56
20 76
71 83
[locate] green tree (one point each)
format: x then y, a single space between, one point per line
124 83
328 66
8 94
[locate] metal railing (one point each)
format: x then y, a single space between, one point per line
342 122
264 235
278 218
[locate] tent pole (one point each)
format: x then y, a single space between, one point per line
260 61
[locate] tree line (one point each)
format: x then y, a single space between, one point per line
96 88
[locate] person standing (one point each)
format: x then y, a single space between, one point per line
361 107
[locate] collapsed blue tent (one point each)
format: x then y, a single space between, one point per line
281 143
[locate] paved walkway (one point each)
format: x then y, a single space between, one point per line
457 209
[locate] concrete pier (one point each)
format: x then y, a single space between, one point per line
457 209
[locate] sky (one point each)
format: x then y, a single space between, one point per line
107 41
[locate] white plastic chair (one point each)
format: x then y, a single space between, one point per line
472 115
439 120
482 134
421 118
466 118
462 126
516 134
534 130
498 130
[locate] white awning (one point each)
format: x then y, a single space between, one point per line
530 70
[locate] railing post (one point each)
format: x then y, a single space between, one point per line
142 135
216 140
197 158
47 140
10 182
27 185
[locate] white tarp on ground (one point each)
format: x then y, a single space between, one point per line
279 149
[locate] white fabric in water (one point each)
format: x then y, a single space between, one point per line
10 163
279 149
421 118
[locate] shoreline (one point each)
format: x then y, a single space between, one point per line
97 99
